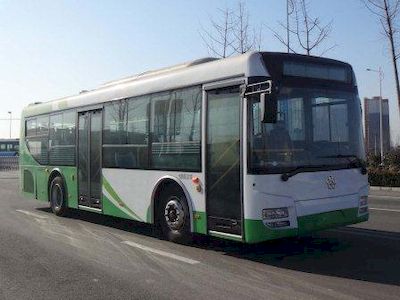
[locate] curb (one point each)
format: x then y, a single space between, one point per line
384 188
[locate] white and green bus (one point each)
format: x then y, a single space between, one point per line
249 148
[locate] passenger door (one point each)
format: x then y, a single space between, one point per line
89 159
223 180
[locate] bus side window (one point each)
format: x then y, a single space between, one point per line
37 138
176 130
30 127
138 131
114 130
62 138
161 108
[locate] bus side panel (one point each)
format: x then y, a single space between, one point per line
110 209
127 193
35 180
42 178
70 178
28 181
28 168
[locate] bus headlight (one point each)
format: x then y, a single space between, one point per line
275 213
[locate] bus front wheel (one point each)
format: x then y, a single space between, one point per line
57 193
173 216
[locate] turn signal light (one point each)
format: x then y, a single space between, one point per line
196 182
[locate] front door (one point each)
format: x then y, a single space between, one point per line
223 184
89 159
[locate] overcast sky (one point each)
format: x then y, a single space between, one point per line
51 49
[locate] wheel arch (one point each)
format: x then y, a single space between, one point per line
167 180
53 174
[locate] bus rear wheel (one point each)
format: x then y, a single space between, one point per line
174 217
57 193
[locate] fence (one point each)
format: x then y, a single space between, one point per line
9 163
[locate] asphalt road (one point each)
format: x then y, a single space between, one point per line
87 256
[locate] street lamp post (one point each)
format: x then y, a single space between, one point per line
380 72
10 113
289 11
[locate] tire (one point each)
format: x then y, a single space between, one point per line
173 216
57 197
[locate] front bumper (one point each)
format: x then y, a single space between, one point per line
256 231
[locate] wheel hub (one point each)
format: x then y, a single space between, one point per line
174 214
57 195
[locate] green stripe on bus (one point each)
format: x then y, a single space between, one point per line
331 219
256 232
109 208
118 199
199 222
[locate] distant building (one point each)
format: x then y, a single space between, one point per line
371 118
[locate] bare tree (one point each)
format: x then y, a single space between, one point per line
257 38
244 41
219 38
231 33
310 33
387 12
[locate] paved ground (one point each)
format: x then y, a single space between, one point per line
86 256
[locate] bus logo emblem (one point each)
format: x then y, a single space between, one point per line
331 182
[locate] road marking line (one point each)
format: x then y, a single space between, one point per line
384 197
162 253
31 214
384 209
368 234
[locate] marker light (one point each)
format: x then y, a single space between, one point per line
363 200
278 224
363 210
363 205
196 182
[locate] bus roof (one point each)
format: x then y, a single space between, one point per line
196 72
187 74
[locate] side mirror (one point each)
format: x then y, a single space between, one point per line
268 108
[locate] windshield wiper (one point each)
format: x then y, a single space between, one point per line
285 176
356 162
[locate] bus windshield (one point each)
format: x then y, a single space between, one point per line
315 127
